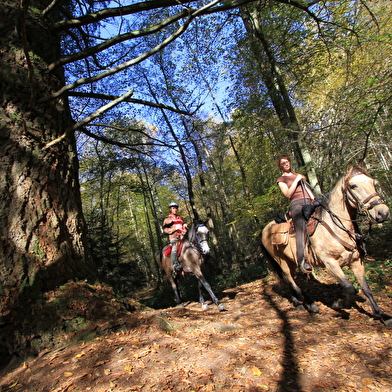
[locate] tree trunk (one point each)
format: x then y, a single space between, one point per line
42 230
277 90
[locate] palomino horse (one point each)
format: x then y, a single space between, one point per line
335 242
193 253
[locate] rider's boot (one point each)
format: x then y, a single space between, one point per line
304 266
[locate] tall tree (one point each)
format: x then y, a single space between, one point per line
42 230
42 227
271 74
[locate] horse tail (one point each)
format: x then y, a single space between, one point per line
275 267
158 257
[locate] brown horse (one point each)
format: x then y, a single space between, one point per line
194 249
335 242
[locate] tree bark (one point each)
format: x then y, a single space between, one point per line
42 229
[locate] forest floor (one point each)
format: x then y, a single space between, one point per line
260 343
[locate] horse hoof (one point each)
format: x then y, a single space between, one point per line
204 306
387 320
221 307
337 305
312 308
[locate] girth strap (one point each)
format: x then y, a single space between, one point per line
344 243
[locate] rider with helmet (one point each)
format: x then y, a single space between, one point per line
174 226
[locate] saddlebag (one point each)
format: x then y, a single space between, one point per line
280 233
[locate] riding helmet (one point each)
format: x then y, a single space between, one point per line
173 204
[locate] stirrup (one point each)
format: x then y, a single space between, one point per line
305 267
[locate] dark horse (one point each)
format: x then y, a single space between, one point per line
194 250
335 242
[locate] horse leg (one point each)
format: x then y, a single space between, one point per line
201 298
348 289
358 269
299 298
202 281
174 285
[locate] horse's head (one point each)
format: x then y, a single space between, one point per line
360 193
202 234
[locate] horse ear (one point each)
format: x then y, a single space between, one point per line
362 164
349 167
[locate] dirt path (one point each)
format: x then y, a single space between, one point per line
261 343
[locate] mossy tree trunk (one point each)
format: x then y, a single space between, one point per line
42 229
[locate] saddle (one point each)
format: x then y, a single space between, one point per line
168 248
284 228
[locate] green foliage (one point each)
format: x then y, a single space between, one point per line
336 77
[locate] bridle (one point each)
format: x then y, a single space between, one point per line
198 240
364 206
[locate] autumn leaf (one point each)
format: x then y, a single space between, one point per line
256 371
68 374
367 381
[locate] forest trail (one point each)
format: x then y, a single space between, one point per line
261 343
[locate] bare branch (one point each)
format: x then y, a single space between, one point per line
116 40
120 11
122 66
89 118
114 142
136 60
157 142
133 100
49 7
138 7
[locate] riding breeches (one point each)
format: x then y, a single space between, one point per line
300 226
173 243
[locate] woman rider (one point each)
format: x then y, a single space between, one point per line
294 187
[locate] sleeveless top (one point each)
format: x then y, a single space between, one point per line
298 193
178 223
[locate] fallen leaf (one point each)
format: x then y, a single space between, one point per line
367 381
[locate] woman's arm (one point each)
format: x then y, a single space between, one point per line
288 192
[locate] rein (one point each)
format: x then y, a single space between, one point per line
363 207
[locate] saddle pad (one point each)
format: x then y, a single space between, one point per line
167 250
311 226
